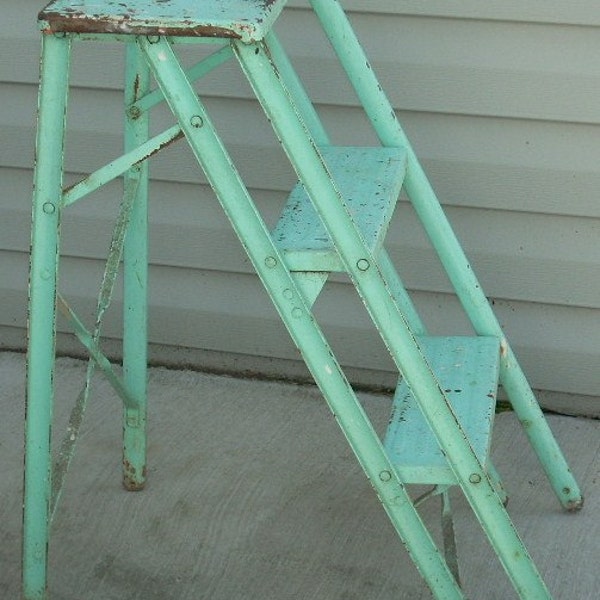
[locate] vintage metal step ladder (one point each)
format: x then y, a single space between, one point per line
335 220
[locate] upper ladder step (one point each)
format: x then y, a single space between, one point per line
369 179
248 20
467 369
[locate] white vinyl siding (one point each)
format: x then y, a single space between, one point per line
500 99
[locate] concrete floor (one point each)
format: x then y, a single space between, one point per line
253 494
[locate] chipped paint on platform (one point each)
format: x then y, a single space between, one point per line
248 20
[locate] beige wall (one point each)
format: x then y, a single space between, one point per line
501 102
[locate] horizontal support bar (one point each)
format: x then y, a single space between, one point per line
128 38
194 73
120 165
84 336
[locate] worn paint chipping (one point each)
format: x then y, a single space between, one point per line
249 20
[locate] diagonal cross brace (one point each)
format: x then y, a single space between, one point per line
98 357
120 165
90 341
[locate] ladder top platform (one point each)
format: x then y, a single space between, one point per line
247 20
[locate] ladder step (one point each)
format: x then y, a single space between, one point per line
249 20
467 369
369 179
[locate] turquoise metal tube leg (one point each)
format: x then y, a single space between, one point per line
365 274
468 289
135 264
297 317
42 312
297 91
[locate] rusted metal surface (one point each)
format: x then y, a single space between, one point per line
131 480
248 20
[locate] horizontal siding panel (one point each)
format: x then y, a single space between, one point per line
520 256
481 68
187 226
20 17
94 138
499 99
207 304
579 12
472 161
526 72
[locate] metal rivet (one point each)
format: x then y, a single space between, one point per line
133 420
297 313
363 264
271 262
475 478
196 121
48 208
288 294
45 274
385 476
134 113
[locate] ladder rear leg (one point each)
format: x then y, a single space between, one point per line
424 200
135 266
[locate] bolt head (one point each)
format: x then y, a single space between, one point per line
385 476
196 121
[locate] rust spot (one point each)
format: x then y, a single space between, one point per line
68 188
133 486
161 147
78 22
130 482
136 86
574 505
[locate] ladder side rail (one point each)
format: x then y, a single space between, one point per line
309 283
392 326
294 84
443 238
52 106
294 312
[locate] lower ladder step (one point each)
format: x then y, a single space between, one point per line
467 369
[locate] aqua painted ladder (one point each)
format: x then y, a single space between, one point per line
335 220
